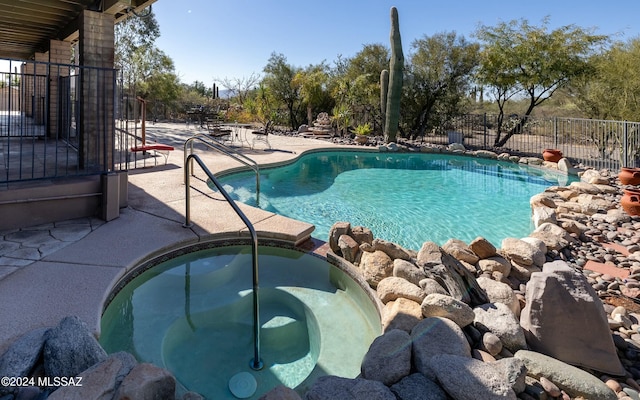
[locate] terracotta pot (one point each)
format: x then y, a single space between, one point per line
629 176
553 155
630 201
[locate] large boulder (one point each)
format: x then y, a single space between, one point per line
376 266
70 348
100 381
459 282
482 247
495 263
392 288
559 297
470 379
338 229
393 250
147 381
418 386
333 387
389 358
440 305
574 381
460 250
433 336
408 270
520 251
499 292
21 356
401 314
348 247
553 236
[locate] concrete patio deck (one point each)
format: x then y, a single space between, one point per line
69 268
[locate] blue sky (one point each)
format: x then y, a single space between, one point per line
211 39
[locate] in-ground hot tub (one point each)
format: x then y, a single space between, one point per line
191 313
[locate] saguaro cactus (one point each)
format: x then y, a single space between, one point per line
396 67
384 88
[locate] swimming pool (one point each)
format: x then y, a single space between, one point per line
406 198
192 314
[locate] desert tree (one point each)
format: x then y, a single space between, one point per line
439 76
518 59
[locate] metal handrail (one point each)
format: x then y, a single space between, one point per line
226 150
256 363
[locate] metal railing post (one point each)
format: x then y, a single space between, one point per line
625 145
555 132
484 128
256 362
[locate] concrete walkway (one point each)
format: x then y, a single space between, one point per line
66 268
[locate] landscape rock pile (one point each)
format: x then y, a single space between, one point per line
551 315
66 362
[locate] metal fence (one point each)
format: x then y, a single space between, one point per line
60 121
595 143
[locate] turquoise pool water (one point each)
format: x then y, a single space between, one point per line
192 315
404 198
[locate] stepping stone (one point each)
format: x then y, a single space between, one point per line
617 247
606 269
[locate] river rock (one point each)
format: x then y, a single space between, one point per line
499 319
418 386
70 348
585 339
572 380
333 387
388 359
408 270
465 378
491 344
439 305
401 314
433 336
392 288
376 266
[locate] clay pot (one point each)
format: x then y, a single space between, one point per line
630 201
362 139
553 155
629 176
